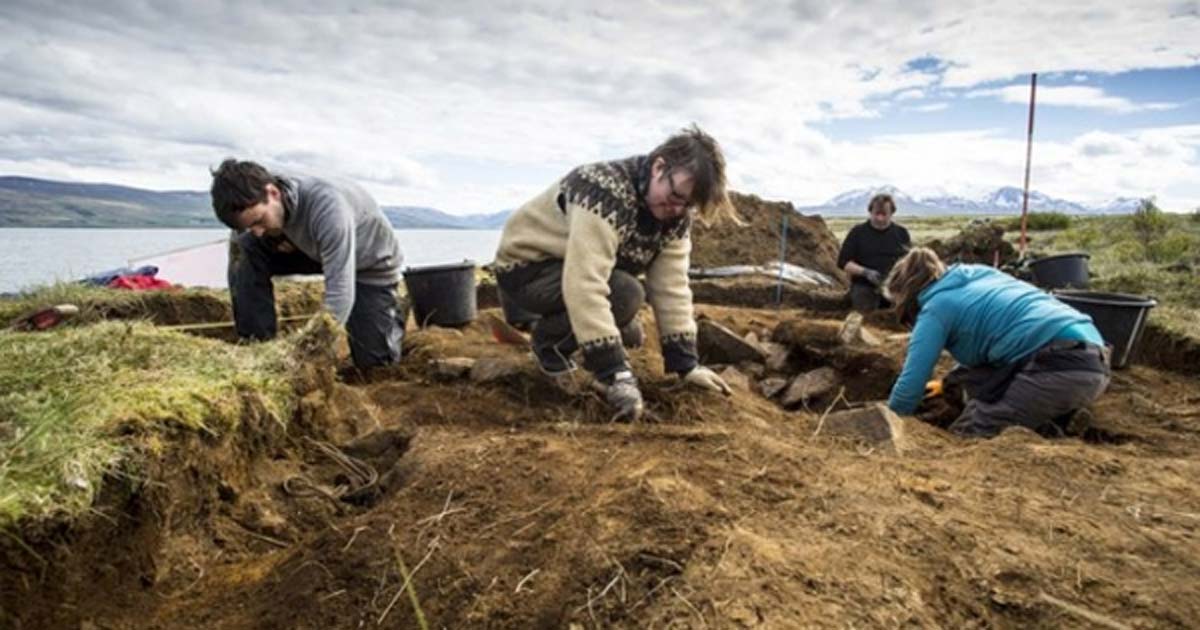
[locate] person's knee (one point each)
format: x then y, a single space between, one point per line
626 295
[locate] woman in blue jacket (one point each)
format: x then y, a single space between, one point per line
1030 358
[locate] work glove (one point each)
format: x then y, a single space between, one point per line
872 276
705 378
624 397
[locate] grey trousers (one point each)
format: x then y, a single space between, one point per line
537 288
1034 398
376 324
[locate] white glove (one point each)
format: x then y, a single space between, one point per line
705 378
624 397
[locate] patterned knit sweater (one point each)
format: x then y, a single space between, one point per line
595 219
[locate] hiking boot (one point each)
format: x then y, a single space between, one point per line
551 361
565 375
1080 421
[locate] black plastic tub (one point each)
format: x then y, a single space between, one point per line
442 295
1061 271
1120 317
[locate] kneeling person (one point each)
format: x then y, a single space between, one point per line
297 224
1030 359
573 253
870 250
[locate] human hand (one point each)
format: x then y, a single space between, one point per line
872 276
624 397
705 378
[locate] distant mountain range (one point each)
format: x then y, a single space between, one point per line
29 202
1005 200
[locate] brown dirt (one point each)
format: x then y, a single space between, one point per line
1167 349
980 241
810 243
518 507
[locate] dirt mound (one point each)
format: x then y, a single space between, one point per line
980 241
516 506
810 243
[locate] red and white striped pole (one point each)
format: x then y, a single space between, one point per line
1028 159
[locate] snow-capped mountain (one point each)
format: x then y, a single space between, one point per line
1006 200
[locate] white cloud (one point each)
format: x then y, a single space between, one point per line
1070 96
474 106
931 107
1092 168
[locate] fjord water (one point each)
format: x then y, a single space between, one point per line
35 256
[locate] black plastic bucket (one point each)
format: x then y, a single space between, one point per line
442 295
1061 271
1120 317
516 316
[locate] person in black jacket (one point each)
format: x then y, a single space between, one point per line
870 250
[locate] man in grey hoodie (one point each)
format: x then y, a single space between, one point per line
297 224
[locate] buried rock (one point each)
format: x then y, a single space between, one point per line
875 425
451 368
810 386
492 369
854 334
771 386
735 378
718 344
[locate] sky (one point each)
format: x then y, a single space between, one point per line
473 107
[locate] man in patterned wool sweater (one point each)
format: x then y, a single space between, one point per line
573 255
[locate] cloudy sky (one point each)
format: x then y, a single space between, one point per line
476 106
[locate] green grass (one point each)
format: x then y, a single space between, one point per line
90 299
72 401
1156 254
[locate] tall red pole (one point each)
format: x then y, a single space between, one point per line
1028 158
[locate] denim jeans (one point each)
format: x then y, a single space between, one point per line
375 326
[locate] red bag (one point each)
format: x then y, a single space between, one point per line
139 283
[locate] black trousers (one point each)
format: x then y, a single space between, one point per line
375 326
538 288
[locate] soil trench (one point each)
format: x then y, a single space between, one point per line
413 495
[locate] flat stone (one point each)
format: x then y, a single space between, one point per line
777 356
875 425
735 379
718 344
810 386
451 368
853 333
771 386
752 369
488 370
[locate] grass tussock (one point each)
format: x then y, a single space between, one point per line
69 399
92 301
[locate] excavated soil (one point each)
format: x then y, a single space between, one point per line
754 238
508 504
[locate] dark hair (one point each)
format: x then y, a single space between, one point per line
696 152
879 200
238 185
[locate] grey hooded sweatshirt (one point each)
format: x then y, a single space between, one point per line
337 223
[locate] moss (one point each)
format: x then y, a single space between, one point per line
72 400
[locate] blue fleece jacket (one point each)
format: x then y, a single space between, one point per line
983 317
